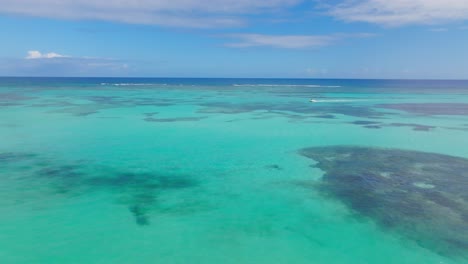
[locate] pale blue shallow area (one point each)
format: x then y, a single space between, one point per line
103 170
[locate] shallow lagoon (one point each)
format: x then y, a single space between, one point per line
209 171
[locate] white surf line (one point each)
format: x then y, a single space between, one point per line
339 100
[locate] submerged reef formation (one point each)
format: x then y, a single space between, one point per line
13 99
429 108
14 157
423 196
378 125
174 119
140 192
321 110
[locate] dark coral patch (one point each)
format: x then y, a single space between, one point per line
367 124
415 127
363 122
325 116
116 101
140 215
429 108
64 179
300 108
421 195
13 99
378 125
138 191
175 119
10 157
151 114
274 167
373 127
141 181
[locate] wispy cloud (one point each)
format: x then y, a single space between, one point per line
401 12
232 13
34 54
287 41
180 13
54 64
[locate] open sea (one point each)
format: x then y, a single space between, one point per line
254 171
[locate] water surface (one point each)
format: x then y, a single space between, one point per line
112 170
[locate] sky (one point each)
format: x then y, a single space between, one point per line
382 39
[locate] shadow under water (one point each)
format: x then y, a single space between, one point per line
423 196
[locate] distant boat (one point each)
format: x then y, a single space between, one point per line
313 101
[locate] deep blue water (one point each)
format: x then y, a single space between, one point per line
331 84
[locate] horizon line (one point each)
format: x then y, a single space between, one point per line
266 78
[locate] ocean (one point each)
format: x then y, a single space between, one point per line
181 170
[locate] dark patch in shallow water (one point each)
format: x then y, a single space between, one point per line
13 99
295 107
274 167
151 114
175 119
325 116
65 179
378 125
367 124
421 195
9 157
141 181
83 110
416 127
98 103
140 192
363 122
429 108
116 101
10 104
86 113
373 127
140 215
294 117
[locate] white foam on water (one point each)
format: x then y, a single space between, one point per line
340 100
135 84
287 85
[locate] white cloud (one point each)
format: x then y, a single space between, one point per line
183 13
401 12
228 13
288 41
34 54
53 64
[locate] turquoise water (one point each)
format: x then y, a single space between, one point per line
211 171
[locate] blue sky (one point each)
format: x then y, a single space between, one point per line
235 38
